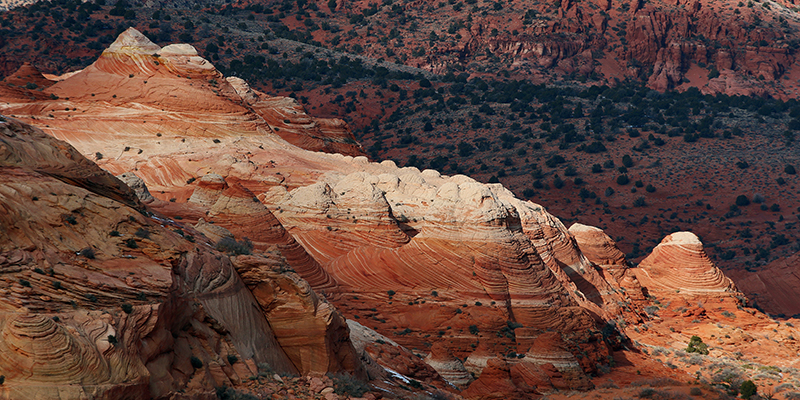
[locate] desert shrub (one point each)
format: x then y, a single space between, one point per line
554 161
609 385
695 360
131 243
790 170
264 369
115 234
232 359
231 246
655 382
623 180
783 386
627 161
142 233
729 377
646 393
346 384
196 362
226 393
696 391
127 308
696 345
558 183
747 389
742 201
87 252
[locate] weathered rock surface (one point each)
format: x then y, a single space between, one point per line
449 367
310 330
602 251
679 264
97 293
445 267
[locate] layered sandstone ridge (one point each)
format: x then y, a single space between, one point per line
173 98
461 252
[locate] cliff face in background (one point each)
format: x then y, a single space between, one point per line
120 284
730 47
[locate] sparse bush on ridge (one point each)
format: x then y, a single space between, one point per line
233 247
346 384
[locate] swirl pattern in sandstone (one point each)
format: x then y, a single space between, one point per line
679 263
100 300
448 366
237 210
426 232
37 349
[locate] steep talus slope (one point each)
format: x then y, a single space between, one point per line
98 293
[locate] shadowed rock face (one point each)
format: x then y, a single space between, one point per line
99 293
602 251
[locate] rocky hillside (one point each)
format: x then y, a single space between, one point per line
444 286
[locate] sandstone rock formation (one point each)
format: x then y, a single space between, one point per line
679 264
443 267
463 253
103 300
602 251
449 367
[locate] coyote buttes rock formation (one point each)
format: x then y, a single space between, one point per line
679 263
101 300
448 267
368 228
